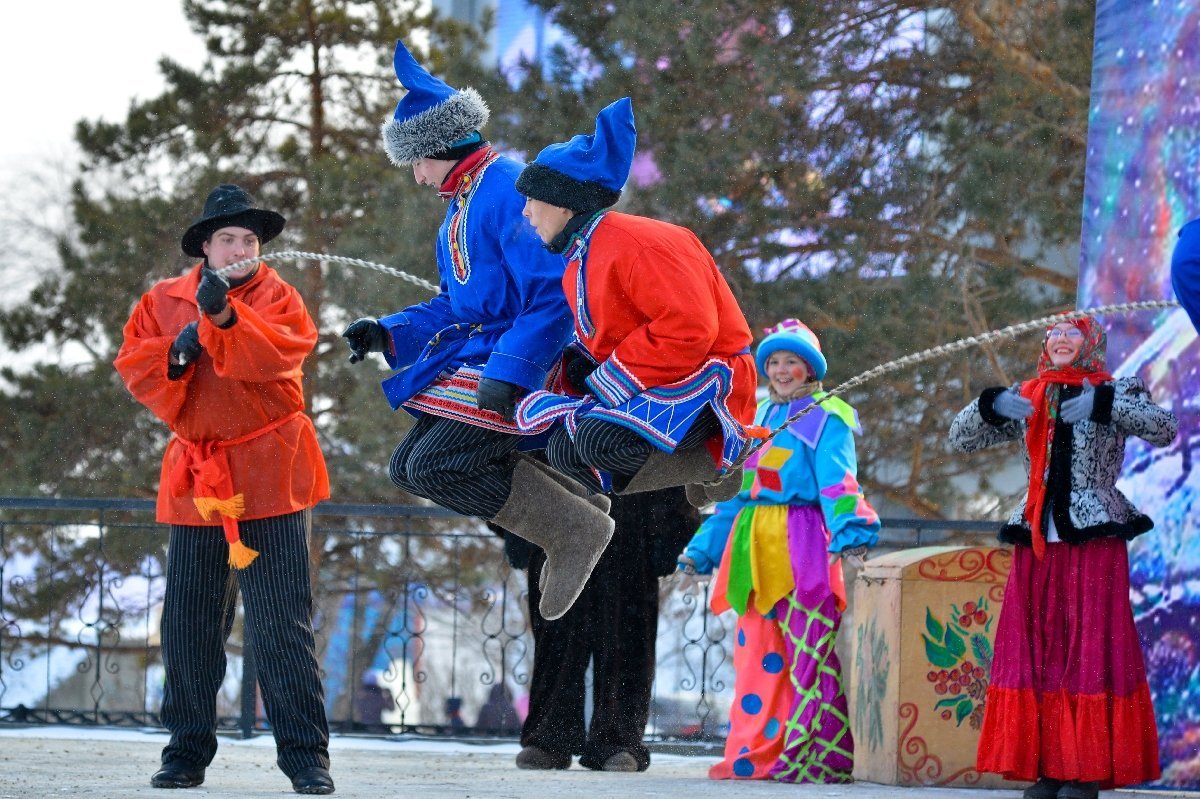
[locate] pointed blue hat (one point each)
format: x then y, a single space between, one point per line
588 172
433 117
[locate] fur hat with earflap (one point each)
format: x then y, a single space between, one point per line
433 119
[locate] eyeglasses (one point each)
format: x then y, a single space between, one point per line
1057 332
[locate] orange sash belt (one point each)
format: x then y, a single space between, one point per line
203 469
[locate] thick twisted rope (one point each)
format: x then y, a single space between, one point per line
1012 331
297 255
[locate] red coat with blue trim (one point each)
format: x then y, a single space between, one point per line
653 309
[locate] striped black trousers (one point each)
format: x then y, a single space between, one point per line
607 446
197 616
460 466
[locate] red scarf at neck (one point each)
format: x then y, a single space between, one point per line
1039 436
459 177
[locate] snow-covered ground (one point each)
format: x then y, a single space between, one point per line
117 764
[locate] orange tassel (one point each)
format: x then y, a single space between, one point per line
756 431
240 555
232 508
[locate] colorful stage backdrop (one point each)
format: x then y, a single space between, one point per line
1143 184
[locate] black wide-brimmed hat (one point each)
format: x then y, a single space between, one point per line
230 206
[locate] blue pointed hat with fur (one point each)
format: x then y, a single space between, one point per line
432 117
588 172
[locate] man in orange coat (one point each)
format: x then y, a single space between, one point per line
662 359
219 361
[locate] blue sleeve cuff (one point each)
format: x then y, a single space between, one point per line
704 564
855 536
612 385
516 370
407 340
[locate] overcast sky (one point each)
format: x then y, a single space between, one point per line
63 60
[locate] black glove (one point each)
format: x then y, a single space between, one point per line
210 294
186 347
365 336
577 367
498 396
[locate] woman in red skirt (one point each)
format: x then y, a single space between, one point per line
1068 705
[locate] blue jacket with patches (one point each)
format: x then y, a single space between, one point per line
501 305
812 462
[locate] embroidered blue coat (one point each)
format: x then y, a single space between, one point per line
501 306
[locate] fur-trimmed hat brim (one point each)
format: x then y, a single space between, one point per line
435 129
550 186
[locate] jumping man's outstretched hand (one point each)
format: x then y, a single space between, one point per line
365 336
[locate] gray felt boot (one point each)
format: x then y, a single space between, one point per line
570 530
725 488
598 501
669 469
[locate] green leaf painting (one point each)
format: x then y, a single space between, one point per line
936 631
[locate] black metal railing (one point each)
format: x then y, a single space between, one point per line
418 617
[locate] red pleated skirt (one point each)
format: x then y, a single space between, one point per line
1068 697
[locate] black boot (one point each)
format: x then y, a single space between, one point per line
313 780
538 759
1079 790
177 774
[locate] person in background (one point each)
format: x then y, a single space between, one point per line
1185 270
453 708
498 716
614 627
371 701
779 544
1068 705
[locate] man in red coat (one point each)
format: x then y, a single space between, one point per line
219 360
662 359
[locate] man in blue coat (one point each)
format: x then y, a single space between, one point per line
1185 270
492 334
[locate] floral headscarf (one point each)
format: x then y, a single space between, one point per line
1044 393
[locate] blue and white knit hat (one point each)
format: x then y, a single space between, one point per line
433 117
588 172
792 335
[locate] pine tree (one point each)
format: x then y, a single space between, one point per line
897 174
287 104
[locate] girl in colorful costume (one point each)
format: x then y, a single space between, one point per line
1068 704
800 501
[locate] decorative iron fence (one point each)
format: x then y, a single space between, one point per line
418 618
